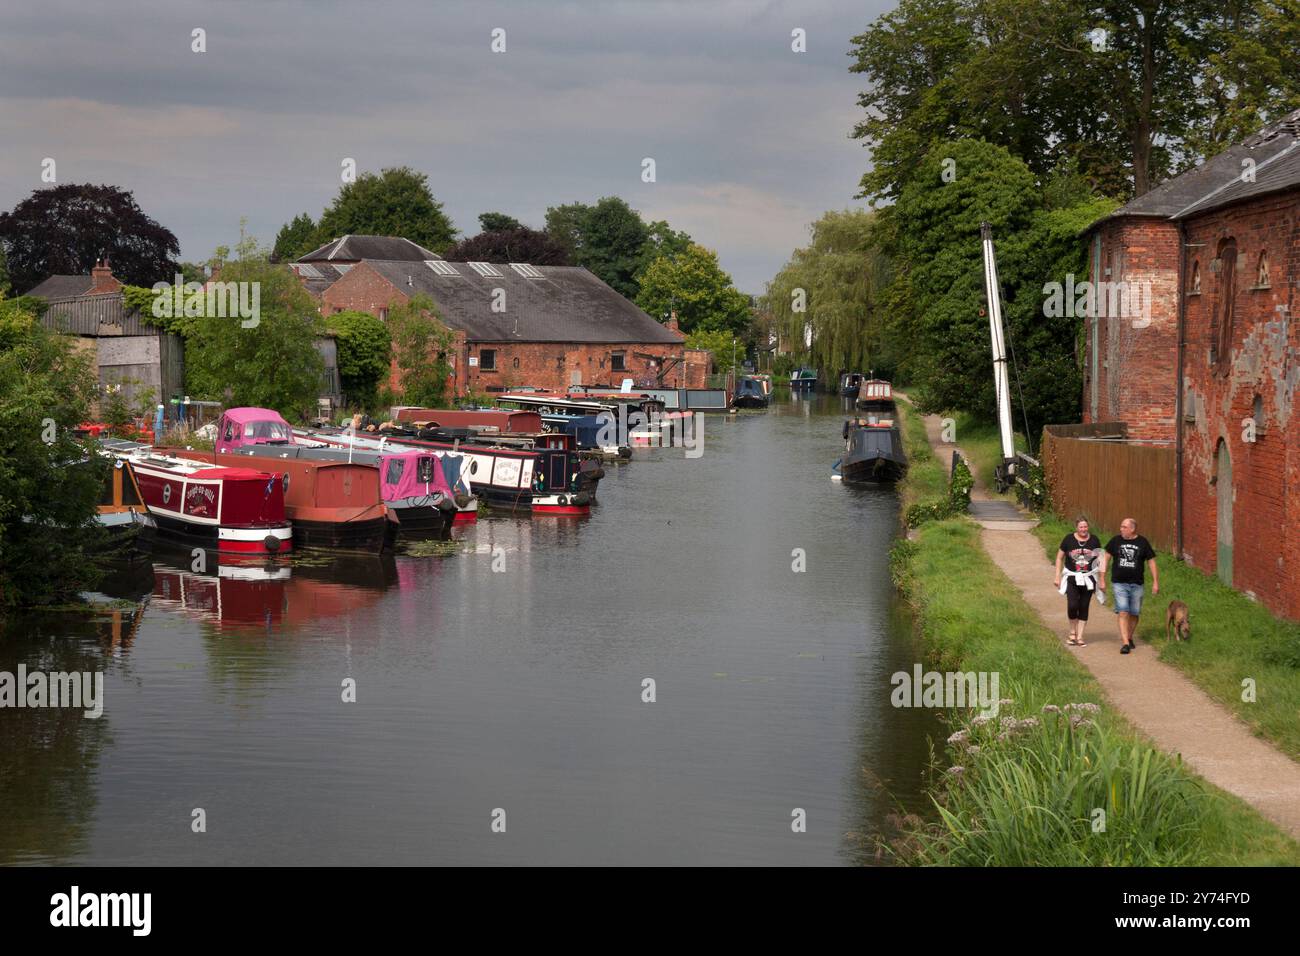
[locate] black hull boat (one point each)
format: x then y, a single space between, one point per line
873 452
749 394
850 384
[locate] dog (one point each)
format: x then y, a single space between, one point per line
1178 617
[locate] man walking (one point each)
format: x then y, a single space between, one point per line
1132 554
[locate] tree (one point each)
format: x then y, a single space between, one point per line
396 202
364 353
696 286
721 345
607 238
272 364
510 245
420 347
936 300
50 480
834 287
295 239
5 286
64 230
498 222
1129 90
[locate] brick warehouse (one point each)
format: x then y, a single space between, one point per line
1215 370
513 324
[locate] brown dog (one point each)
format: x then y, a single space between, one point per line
1178 618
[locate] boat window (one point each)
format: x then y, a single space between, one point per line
230 430
271 431
425 469
394 475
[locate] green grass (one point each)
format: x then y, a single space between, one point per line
927 477
1030 799
1233 639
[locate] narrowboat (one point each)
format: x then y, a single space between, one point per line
333 505
543 481
803 380
877 396
412 485
230 510
873 451
121 508
485 421
749 394
851 384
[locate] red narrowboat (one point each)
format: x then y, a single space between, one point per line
334 505
232 510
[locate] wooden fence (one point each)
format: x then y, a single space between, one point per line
1094 472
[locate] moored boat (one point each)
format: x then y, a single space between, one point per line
231 510
876 395
334 505
803 380
873 451
851 384
749 394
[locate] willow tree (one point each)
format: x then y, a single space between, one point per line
830 292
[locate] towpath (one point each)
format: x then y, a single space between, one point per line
1155 697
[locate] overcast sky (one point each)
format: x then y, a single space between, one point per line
751 140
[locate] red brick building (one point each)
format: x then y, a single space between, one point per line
1215 370
514 324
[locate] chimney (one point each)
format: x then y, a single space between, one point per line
101 279
672 321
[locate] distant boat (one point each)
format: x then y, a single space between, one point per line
803 380
873 451
876 395
750 394
850 383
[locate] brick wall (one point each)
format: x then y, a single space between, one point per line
1132 377
1261 363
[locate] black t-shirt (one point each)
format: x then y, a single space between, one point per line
1079 555
1131 556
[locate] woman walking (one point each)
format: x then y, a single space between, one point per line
1076 577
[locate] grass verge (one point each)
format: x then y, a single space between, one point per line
1058 778
1233 640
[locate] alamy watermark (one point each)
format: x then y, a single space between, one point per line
76 689
1104 299
946 690
653 430
213 300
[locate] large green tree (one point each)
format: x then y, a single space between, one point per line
394 202
833 288
271 362
364 353
50 480
611 239
936 301
296 238
498 222
510 245
421 344
1128 91
695 285
64 230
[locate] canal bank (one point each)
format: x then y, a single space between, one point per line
1060 777
751 589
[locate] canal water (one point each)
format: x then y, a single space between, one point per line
504 681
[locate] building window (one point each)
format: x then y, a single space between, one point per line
559 363
1261 271
1196 278
617 362
1224 305
487 360
516 361
383 315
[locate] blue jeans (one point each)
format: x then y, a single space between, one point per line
1128 597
